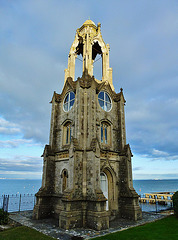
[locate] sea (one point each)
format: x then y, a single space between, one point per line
30 187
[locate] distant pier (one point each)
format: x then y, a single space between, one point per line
157 197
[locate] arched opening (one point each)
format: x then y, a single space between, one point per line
78 67
104 186
97 61
108 183
64 177
96 49
97 68
79 59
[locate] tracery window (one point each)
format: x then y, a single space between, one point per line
105 132
69 101
104 101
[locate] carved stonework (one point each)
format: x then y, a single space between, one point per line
62 155
85 81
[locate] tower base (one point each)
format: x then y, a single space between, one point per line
84 214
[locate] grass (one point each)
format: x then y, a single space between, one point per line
163 229
23 233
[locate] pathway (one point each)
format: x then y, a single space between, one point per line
49 226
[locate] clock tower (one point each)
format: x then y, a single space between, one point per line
87 173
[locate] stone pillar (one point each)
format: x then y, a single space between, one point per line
121 122
128 198
87 54
71 65
44 206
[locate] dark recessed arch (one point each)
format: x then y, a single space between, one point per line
64 176
96 49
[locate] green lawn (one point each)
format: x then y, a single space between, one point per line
164 229
23 233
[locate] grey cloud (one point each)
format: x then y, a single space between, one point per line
21 164
143 38
8 128
153 125
10 131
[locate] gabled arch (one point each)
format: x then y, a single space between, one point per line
69 85
106 86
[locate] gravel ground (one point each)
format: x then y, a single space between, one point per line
50 227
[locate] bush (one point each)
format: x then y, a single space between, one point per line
4 217
175 203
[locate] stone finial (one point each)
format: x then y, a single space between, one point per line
99 27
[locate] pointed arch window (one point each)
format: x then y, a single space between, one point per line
64 177
105 133
67 133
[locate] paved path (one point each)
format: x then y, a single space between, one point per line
49 226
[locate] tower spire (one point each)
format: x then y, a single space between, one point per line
89 43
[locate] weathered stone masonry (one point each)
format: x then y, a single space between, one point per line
87 173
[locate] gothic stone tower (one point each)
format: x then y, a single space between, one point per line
87 173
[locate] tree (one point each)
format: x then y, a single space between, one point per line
175 203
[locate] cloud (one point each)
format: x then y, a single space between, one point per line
27 96
35 39
16 142
156 176
159 153
137 169
8 128
152 124
21 163
10 131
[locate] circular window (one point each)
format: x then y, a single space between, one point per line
69 101
104 101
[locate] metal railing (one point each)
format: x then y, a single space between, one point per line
17 202
25 202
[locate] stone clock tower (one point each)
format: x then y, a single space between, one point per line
87 173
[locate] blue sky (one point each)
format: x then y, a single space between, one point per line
35 39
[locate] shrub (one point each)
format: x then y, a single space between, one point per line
3 217
175 203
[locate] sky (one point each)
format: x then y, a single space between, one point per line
35 39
